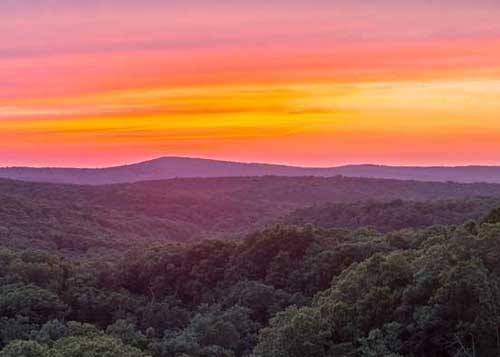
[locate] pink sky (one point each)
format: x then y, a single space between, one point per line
95 83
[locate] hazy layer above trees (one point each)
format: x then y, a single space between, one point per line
79 219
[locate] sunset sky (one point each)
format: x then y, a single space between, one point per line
313 83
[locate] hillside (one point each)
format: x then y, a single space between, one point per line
88 218
177 167
394 215
98 268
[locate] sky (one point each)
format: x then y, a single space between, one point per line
93 83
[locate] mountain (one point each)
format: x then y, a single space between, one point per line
79 219
178 167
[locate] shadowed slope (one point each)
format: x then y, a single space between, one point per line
79 218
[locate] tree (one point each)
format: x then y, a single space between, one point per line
106 346
493 217
227 331
25 349
295 333
126 332
15 328
38 304
278 271
382 342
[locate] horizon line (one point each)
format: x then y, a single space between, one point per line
243 162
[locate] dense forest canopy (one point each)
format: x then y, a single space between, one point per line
393 215
342 277
284 291
80 220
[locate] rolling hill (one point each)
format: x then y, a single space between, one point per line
178 167
77 218
394 215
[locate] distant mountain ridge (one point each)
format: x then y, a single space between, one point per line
180 167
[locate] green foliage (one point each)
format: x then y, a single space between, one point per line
25 349
128 333
382 342
441 297
52 331
283 291
295 333
493 217
38 304
18 327
223 332
77 346
56 339
103 220
397 214
264 301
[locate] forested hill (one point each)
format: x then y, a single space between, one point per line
77 219
93 271
393 215
179 167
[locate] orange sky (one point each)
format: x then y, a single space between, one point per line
93 84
